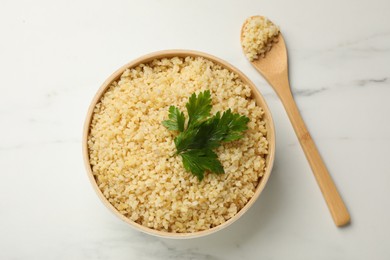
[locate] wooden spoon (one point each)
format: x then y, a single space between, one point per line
274 69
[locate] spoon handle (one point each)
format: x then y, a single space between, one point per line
332 197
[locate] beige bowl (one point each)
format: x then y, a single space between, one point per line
169 54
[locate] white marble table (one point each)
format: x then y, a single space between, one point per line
55 54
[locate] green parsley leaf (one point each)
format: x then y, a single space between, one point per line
198 108
210 133
187 140
200 160
195 143
176 120
232 126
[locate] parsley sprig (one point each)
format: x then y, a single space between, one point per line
203 133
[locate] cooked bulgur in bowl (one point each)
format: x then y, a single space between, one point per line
129 154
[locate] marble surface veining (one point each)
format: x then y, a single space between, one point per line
55 54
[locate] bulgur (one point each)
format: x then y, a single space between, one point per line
258 36
131 152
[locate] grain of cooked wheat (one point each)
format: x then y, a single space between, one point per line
131 152
258 36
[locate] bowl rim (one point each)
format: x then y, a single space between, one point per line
260 101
